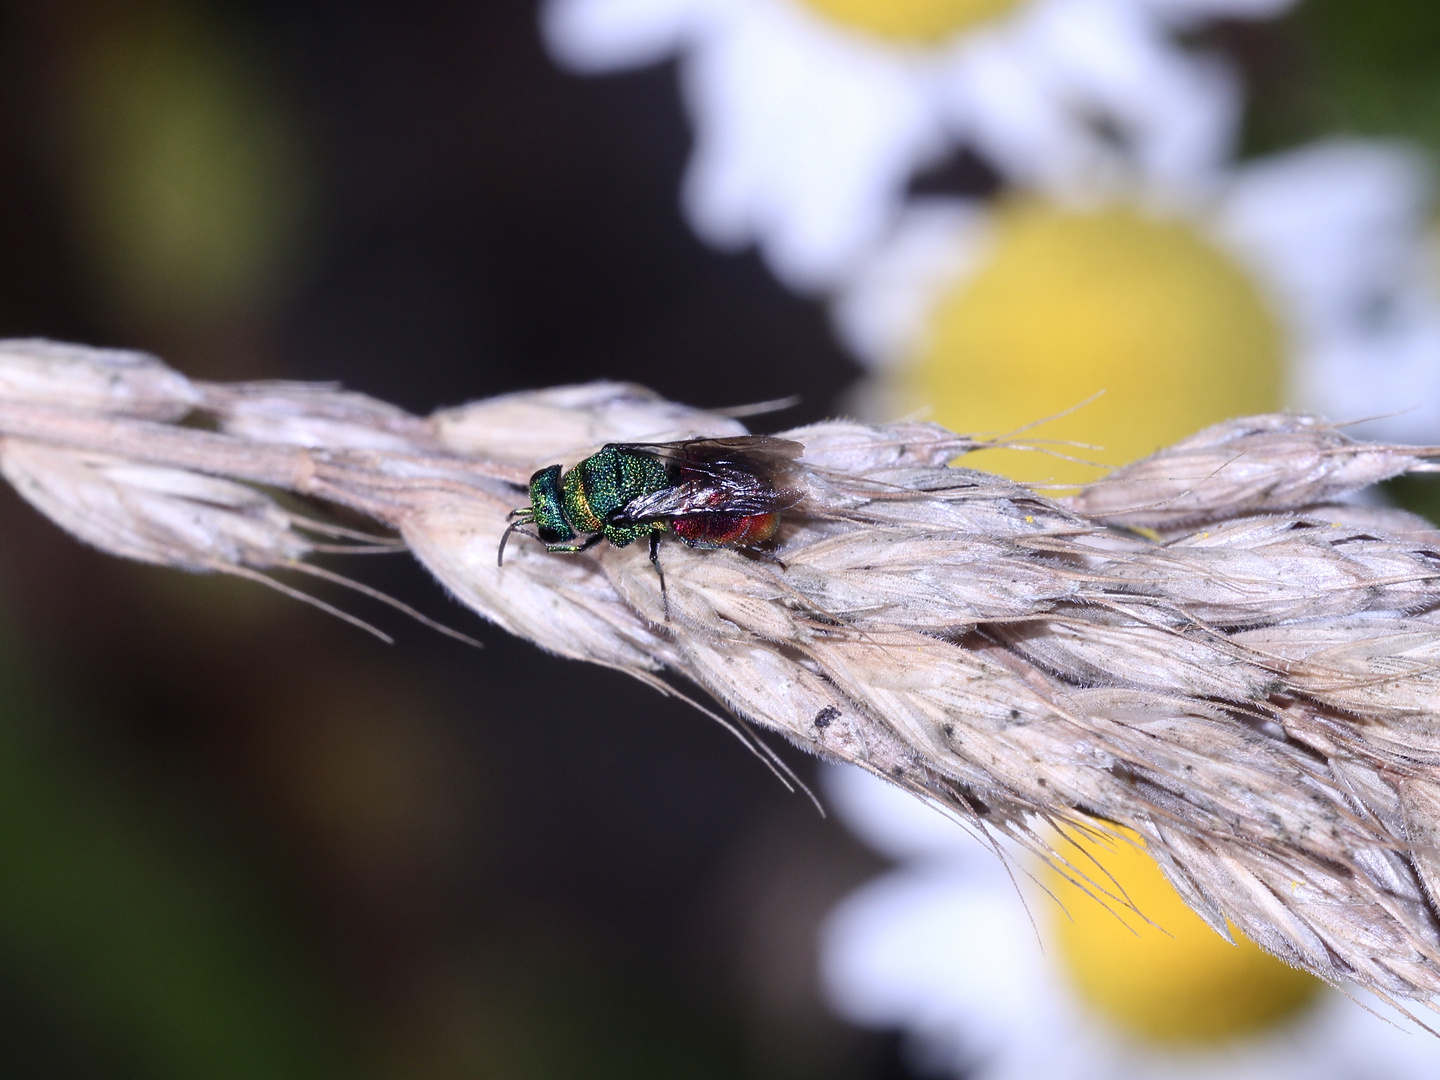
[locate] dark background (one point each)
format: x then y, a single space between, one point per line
240 839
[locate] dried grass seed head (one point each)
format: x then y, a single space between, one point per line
1256 697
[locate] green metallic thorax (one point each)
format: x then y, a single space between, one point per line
604 483
584 498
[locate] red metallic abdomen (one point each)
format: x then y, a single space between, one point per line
725 530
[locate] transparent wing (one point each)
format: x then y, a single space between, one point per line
744 475
710 495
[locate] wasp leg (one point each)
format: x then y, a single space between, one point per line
575 549
655 562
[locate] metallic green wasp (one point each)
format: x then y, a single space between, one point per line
708 493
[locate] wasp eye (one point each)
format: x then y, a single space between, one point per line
551 536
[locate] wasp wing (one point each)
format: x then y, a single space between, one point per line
740 497
744 476
765 455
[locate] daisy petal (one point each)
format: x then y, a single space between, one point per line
1333 225
593 36
805 140
942 957
894 822
1391 381
1089 92
1334 230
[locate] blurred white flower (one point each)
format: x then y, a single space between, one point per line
811 116
945 949
1341 236
1304 278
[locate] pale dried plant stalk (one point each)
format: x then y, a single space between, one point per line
1205 647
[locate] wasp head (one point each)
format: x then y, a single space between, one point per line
547 510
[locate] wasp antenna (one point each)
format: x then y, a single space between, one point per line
504 539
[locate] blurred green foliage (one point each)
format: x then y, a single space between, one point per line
548 1014
1362 67
1419 494
157 953
188 172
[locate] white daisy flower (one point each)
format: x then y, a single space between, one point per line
811 116
1302 280
980 979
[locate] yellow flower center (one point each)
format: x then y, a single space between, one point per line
1173 982
1069 304
913 21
